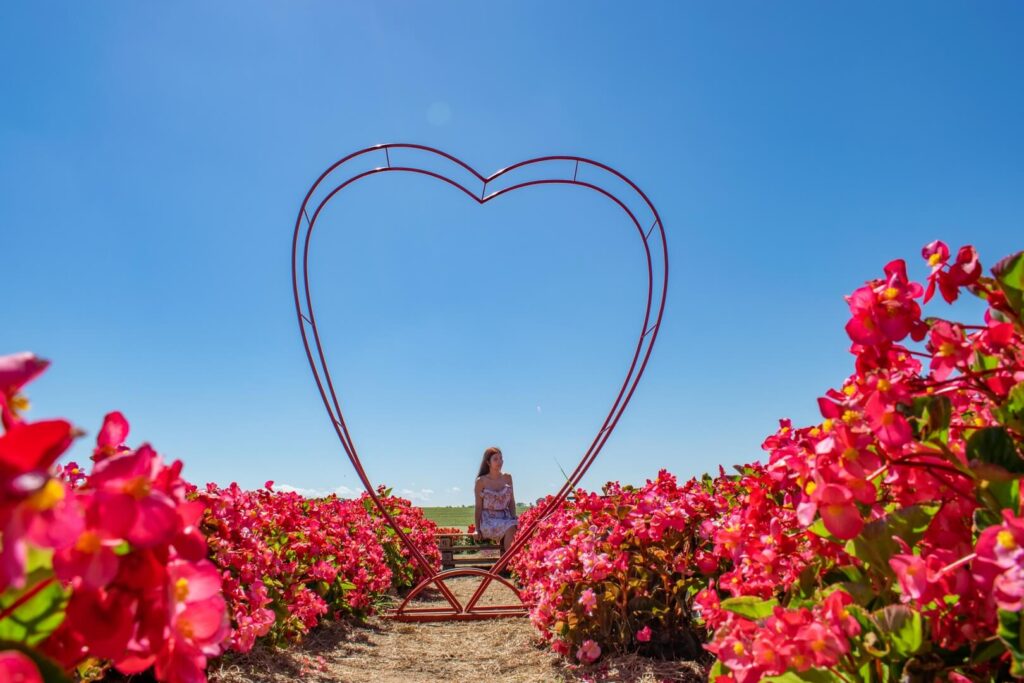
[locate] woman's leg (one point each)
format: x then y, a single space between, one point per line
506 540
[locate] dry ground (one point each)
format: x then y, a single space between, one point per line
387 651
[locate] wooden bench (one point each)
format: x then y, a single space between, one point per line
455 554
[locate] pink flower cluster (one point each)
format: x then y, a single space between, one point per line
129 566
289 561
913 478
889 531
796 638
110 565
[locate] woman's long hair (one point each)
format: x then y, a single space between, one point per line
485 464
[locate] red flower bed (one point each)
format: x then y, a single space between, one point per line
290 561
108 566
129 566
885 542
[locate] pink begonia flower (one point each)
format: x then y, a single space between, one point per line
18 369
838 511
47 518
964 272
111 439
912 574
128 480
588 652
588 600
892 428
950 349
91 559
16 667
999 566
27 447
644 635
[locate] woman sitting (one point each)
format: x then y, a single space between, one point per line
495 501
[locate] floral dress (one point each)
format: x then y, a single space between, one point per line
495 519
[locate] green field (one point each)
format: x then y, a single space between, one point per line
461 516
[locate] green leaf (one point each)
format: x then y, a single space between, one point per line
750 607
903 628
929 416
1010 275
40 615
49 669
717 670
875 545
1011 413
984 362
984 518
1006 493
994 446
818 529
1011 632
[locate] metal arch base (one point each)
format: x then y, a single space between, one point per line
455 609
547 170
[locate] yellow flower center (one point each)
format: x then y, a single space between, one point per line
185 628
809 489
934 259
883 385
138 487
851 454
849 390
826 426
890 293
1006 539
738 648
947 349
181 589
19 403
51 493
89 542
850 416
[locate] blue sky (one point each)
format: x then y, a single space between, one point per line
152 160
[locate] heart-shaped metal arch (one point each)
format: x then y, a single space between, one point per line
548 170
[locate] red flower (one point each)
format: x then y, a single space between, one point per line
838 511
33 446
128 481
964 272
113 434
18 369
16 667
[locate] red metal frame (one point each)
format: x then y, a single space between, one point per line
548 170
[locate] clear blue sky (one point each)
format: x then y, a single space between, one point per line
153 158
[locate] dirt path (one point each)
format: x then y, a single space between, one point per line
386 651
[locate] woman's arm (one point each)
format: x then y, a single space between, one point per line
511 498
479 505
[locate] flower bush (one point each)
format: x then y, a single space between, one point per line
290 561
130 567
883 543
622 571
100 569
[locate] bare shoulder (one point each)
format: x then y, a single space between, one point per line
479 482
508 477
